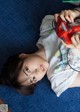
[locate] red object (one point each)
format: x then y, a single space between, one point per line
65 30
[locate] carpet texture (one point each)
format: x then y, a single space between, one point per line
19 31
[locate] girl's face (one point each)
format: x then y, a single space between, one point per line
34 68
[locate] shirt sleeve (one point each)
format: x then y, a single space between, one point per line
48 37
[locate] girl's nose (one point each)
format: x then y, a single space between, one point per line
36 70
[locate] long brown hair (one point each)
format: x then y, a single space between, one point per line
10 72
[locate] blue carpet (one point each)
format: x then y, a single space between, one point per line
19 31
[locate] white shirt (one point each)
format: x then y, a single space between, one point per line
60 75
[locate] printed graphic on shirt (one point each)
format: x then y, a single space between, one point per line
62 53
50 31
74 59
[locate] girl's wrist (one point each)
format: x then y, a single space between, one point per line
77 12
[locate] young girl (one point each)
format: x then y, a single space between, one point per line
23 71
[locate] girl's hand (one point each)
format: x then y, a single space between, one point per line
68 15
75 42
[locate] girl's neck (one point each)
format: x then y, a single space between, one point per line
41 53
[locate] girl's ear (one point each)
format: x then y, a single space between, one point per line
23 55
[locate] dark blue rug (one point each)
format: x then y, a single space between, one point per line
19 31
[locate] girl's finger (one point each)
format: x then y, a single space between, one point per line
67 45
70 15
67 16
72 19
77 39
62 16
56 17
74 41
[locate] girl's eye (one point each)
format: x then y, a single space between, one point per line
27 70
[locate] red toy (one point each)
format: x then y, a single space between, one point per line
65 30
